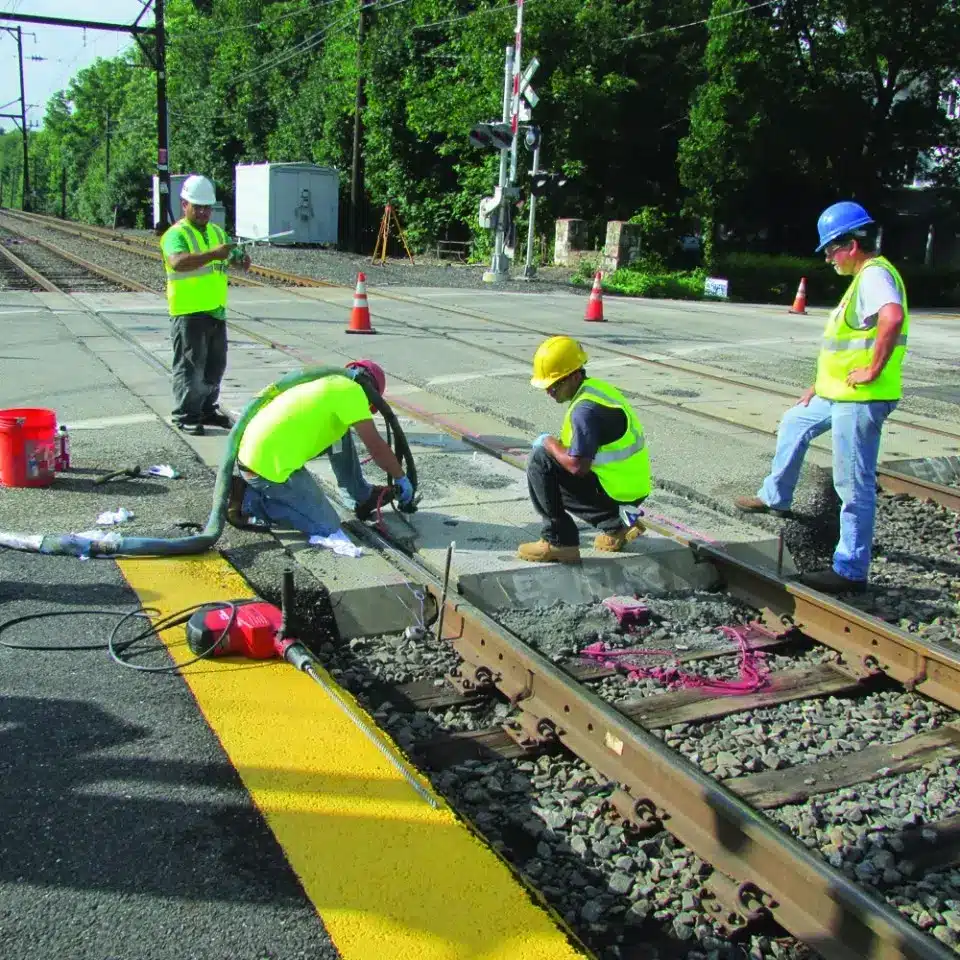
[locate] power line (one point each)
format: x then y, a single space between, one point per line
260 24
473 13
697 23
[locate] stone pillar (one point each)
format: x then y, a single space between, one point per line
570 239
623 246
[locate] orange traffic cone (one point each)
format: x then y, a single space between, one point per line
360 314
595 303
800 301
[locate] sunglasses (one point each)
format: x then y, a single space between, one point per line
831 248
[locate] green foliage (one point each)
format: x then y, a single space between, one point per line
750 123
674 285
660 236
762 278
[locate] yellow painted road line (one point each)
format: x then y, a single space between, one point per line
392 877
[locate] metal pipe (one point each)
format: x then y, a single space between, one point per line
528 268
446 584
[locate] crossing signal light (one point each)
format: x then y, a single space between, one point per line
495 135
545 184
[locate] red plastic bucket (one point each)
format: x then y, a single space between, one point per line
27 447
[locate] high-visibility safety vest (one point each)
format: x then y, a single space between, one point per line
299 424
202 289
848 345
622 467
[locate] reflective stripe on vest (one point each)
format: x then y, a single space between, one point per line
203 288
622 467
848 344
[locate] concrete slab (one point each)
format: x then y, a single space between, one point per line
945 470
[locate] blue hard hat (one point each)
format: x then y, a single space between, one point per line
839 219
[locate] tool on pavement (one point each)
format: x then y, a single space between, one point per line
130 472
260 631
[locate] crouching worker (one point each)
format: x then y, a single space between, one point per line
298 425
598 465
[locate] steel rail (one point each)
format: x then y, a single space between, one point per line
38 278
893 481
772 873
869 645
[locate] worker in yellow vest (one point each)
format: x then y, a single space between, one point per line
298 425
195 255
598 469
856 389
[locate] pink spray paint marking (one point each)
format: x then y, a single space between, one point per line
754 673
629 612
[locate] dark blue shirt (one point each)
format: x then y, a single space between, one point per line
594 426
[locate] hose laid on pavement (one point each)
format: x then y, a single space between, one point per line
113 545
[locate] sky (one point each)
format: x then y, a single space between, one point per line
66 50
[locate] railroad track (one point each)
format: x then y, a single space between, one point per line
43 266
753 872
758 874
890 479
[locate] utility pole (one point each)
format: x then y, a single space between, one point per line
25 204
157 59
108 142
498 265
163 163
528 269
356 172
21 119
63 193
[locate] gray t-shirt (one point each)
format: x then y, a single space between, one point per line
875 290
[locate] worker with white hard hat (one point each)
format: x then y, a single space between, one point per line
856 389
597 469
195 255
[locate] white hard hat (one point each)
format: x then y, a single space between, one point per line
199 190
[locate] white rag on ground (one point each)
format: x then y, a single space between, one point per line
338 542
110 517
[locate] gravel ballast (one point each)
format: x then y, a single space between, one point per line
621 892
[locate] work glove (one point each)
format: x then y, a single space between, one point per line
405 489
539 441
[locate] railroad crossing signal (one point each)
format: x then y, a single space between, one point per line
545 184
495 135
526 91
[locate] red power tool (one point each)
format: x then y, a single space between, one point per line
247 628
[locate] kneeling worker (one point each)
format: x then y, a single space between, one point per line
299 425
598 465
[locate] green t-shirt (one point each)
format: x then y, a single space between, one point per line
173 241
299 424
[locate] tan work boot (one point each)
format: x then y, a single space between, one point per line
756 505
614 542
543 552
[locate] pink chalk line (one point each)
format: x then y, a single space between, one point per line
754 672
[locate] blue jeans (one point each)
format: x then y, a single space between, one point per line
300 501
856 446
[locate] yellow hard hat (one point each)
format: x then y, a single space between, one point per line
555 359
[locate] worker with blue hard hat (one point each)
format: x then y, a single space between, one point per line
857 387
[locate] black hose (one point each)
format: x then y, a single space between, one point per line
117 648
399 445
